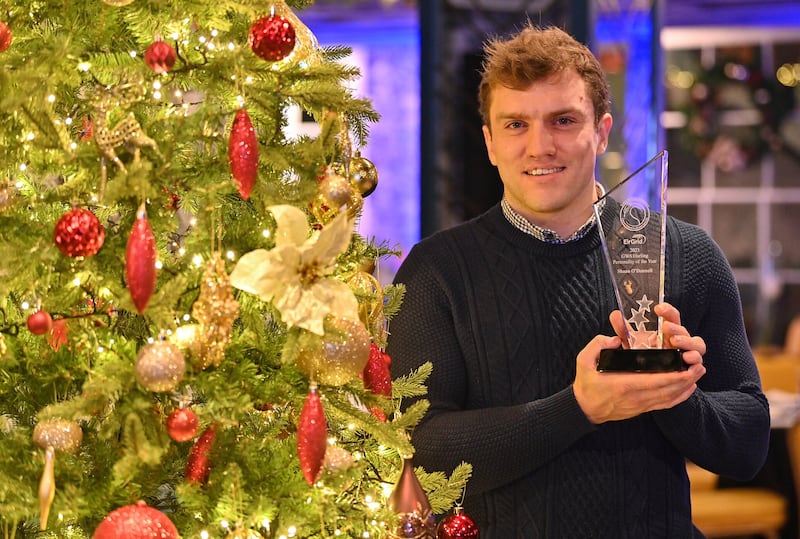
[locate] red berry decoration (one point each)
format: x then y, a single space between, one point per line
136 522
182 424
243 153
79 233
5 36
40 322
272 38
160 56
457 526
140 262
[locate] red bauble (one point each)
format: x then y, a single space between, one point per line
243 153
457 526
5 36
312 437
377 377
160 56
136 522
272 38
79 233
40 322
198 466
182 424
140 262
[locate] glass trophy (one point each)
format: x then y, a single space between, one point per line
634 242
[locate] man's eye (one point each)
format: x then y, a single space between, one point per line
564 121
514 125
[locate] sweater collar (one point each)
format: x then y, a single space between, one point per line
545 234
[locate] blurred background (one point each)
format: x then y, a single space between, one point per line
715 82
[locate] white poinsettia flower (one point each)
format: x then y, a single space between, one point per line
295 274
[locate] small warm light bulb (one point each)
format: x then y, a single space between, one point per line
51 98
231 46
292 531
76 281
204 535
133 54
197 260
31 136
84 66
225 524
230 255
159 264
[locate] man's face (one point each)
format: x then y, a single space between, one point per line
544 143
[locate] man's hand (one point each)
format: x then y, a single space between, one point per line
615 396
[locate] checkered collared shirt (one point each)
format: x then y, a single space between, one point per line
545 234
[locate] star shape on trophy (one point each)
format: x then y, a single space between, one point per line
644 303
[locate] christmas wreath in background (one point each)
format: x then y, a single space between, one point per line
734 111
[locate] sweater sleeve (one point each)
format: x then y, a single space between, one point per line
503 443
724 426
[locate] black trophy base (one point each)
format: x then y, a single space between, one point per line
649 360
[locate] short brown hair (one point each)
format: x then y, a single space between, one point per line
534 54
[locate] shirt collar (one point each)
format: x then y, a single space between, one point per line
545 234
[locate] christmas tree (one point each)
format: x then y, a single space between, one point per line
191 341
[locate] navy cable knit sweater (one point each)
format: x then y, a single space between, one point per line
502 317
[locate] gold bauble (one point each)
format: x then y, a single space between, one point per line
339 356
60 434
335 192
369 294
337 459
363 175
160 366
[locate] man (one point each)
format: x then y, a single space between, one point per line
512 309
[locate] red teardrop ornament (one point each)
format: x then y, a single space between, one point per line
243 153
312 434
198 466
140 262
